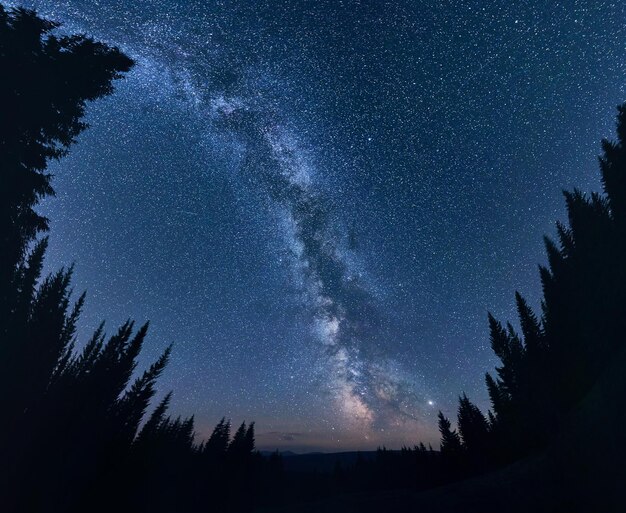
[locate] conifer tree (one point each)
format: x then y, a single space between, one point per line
85 402
219 439
152 426
450 439
37 321
131 407
547 371
239 444
249 447
473 428
39 124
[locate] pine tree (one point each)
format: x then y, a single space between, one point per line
473 429
39 124
249 448
152 426
37 321
131 407
217 443
450 439
239 444
545 373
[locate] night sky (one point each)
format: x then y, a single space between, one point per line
318 202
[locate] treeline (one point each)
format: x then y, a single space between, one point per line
70 429
77 433
550 366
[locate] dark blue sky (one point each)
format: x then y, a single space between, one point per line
319 201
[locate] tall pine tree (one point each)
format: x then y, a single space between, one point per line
546 372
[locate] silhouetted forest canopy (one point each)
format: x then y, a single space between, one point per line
80 429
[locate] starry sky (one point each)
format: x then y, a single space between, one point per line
318 202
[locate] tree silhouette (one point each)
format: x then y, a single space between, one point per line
547 370
75 436
86 401
37 321
239 446
149 432
450 439
473 428
217 444
39 124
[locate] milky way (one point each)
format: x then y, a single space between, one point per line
318 201
345 317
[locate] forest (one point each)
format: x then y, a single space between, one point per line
81 430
